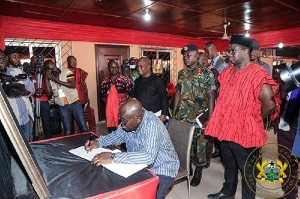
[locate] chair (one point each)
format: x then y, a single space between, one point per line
181 134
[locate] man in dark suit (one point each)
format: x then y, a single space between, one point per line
217 61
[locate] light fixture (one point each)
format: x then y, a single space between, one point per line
247 26
280 45
147 2
147 16
247 34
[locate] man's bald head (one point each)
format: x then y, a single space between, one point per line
131 115
144 67
132 107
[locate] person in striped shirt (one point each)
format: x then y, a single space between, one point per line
60 84
147 141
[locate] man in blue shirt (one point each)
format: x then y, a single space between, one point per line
147 141
21 105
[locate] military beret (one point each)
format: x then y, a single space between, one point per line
10 50
189 47
241 40
255 44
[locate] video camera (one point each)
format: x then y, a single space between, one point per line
126 65
10 85
33 68
290 74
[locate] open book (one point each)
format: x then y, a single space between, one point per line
124 170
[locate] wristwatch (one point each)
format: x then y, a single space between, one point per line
112 157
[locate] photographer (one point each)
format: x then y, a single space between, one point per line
18 96
128 67
60 84
44 110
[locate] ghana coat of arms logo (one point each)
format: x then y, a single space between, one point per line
271 172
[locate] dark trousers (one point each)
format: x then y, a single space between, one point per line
45 117
234 158
164 183
67 111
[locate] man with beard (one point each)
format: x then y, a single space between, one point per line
147 141
195 93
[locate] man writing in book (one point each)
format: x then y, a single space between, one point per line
147 141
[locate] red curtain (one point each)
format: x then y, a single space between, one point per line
2 44
14 27
37 29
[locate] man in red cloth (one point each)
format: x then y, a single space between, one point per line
245 98
114 90
81 87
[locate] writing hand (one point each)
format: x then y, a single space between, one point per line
90 145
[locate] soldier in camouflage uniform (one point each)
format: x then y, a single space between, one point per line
195 92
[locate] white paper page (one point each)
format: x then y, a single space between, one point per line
124 170
81 152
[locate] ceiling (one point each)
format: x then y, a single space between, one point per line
193 18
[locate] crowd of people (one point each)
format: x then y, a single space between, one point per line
66 87
236 94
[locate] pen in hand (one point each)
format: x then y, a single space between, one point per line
90 143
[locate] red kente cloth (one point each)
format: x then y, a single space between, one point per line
80 76
237 115
112 110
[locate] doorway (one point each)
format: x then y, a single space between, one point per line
104 53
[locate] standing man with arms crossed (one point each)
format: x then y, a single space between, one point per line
245 98
151 90
195 93
147 142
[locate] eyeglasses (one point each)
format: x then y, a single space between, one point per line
124 122
231 51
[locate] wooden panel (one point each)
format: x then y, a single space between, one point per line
292 3
136 24
202 21
205 5
111 7
48 3
165 14
27 11
280 21
253 9
87 18
175 29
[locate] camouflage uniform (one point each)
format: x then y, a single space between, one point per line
193 85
